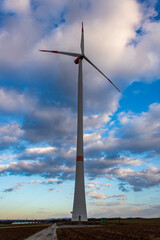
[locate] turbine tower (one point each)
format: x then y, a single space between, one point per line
79 206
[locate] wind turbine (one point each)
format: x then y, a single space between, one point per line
79 212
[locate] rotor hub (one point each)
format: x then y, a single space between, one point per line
76 61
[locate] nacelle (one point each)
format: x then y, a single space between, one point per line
76 61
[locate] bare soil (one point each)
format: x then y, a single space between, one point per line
20 232
141 230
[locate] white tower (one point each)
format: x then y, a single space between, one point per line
79 205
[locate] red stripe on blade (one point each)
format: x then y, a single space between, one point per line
42 50
79 158
54 51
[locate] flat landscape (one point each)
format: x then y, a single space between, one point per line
118 230
134 229
20 232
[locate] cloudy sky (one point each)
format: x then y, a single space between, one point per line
38 105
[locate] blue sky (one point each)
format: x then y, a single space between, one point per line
38 104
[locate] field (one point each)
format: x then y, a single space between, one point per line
117 230
140 229
20 232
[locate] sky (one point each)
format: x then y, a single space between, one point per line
38 107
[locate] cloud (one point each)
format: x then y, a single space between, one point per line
94 184
17 6
14 102
51 190
50 181
107 204
11 189
138 133
94 195
47 181
48 169
6 157
90 185
141 124
43 123
145 178
118 196
91 137
44 150
123 210
20 184
99 166
95 121
10 134
49 124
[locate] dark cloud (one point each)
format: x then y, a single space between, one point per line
50 124
50 168
10 134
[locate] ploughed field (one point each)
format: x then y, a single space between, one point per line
20 232
120 230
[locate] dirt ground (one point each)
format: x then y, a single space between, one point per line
19 232
147 230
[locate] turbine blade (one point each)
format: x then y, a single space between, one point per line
101 72
82 40
64 53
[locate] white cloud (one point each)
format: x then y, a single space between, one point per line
91 137
3 167
18 6
33 181
52 180
95 121
41 150
94 184
12 101
90 185
144 123
118 196
93 194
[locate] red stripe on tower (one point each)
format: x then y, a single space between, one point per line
82 26
79 158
